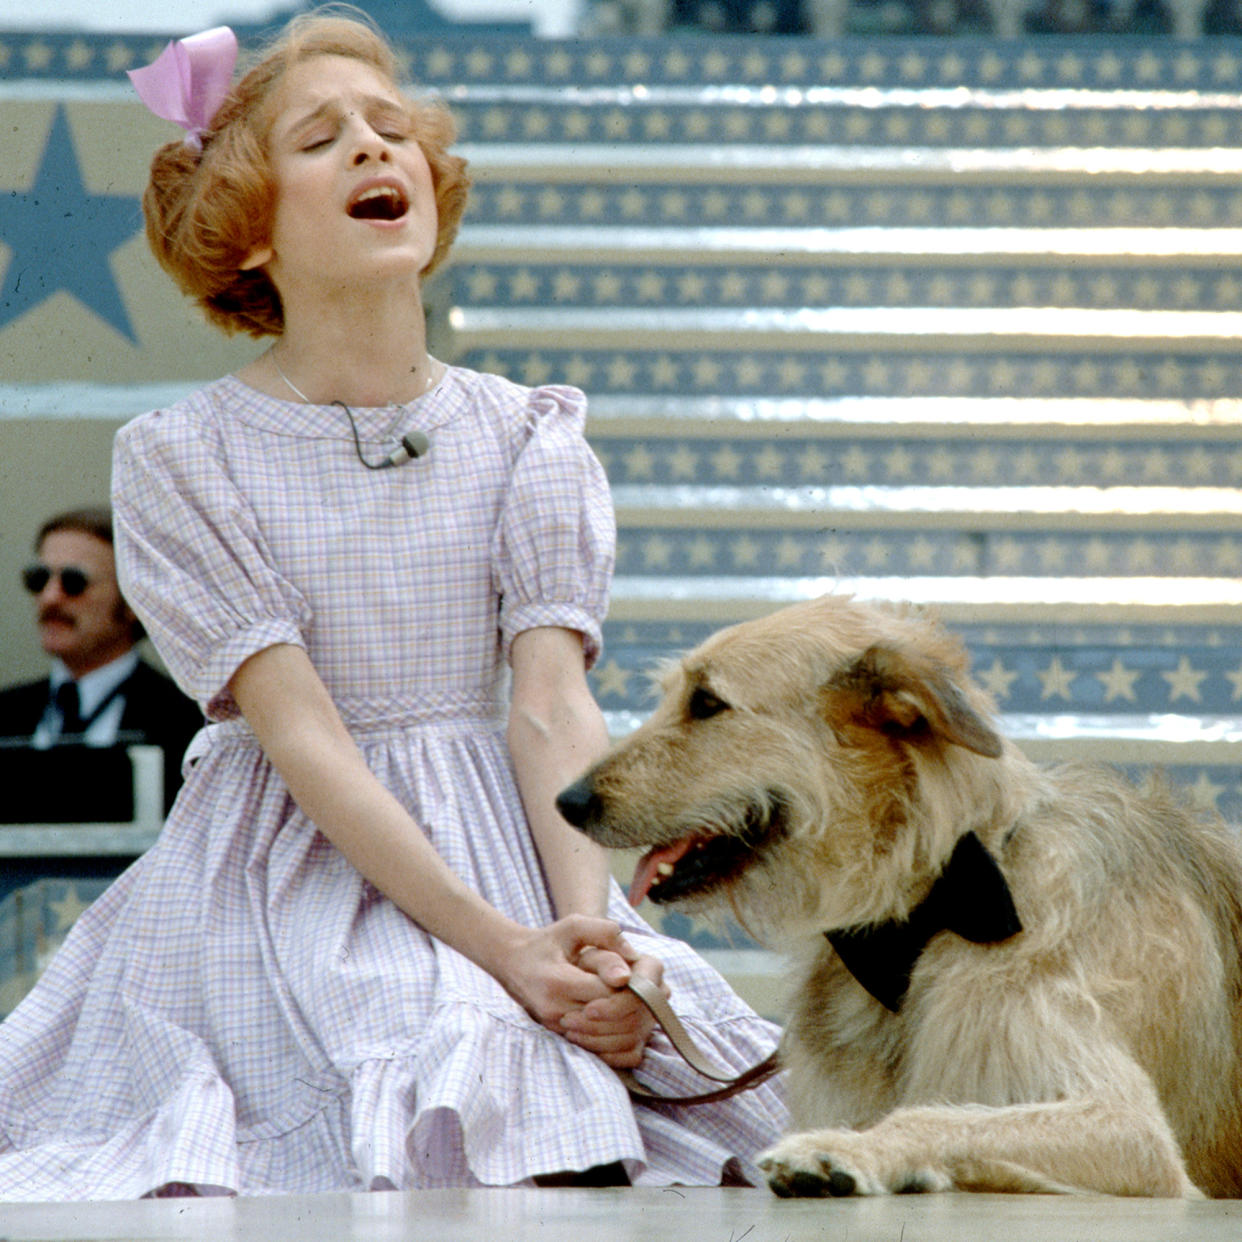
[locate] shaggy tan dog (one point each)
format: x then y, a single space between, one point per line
1051 966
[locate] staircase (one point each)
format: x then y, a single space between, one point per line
954 322
947 320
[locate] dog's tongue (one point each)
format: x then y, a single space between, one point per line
650 864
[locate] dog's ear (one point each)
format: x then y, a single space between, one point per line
907 696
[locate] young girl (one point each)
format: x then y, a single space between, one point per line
366 952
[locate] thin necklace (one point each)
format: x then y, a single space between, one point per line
271 353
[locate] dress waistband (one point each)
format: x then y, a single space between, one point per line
368 717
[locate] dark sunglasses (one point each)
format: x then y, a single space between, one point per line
73 581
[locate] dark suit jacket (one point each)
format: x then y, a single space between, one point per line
63 782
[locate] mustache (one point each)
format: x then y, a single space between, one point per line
55 614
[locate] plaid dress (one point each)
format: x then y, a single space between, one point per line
241 1011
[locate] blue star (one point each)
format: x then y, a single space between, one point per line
61 236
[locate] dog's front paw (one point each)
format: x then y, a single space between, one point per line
816 1166
835 1163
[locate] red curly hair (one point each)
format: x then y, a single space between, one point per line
207 212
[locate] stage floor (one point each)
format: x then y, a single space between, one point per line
684 1215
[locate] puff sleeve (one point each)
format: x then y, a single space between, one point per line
192 560
555 544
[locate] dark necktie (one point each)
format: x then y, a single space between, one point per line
70 709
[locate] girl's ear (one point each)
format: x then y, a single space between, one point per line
259 256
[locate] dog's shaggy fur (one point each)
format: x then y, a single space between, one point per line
813 771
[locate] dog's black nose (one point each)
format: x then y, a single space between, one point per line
579 803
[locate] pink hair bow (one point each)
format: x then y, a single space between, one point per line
188 81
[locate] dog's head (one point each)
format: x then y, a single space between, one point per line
811 769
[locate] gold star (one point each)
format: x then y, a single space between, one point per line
650 287
657 125
637 65
898 463
664 372
876 552
611 679
698 124
876 374
510 202
776 126
38 55
691 287
523 285
482 284
745 552
706 373
575 123
620 372
834 373
1119 682
535 123
607 286
1204 793
676 64
769 464
565 285
1235 679
683 462
833 554
1184 558
941 465
673 205
1056 681
748 371
1098 556
579 372
1009 556
67 908
792 374
591 204
702 553
657 552
813 464
855 463
1141 556
997 679
985 465
726 462
1184 681
78 55
1069 463
551 203
788 553
1228 557
558 63
535 371
118 57
775 286
922 553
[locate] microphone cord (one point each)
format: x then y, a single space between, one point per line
370 465
349 414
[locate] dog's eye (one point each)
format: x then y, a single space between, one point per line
703 703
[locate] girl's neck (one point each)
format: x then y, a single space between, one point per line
381 361
364 346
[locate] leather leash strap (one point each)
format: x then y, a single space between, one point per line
679 1037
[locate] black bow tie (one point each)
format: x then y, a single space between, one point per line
970 897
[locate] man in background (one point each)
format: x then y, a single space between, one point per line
98 694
